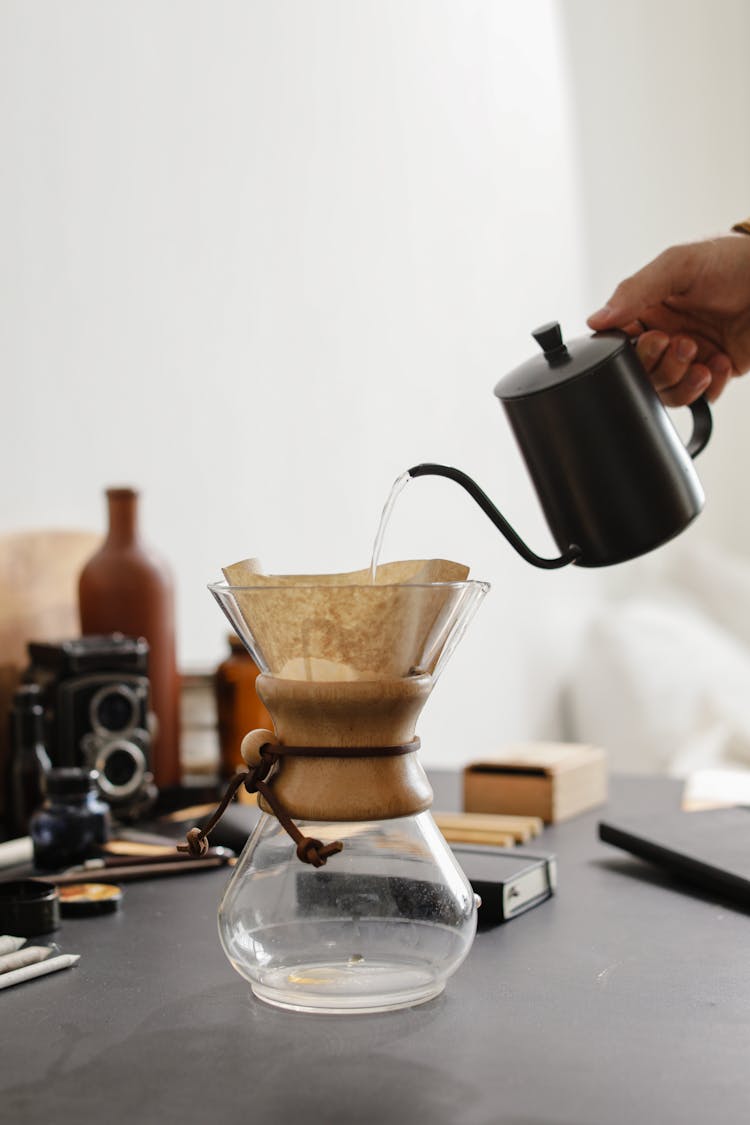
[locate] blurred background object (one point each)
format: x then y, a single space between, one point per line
238 708
199 734
95 692
28 760
126 588
73 824
663 671
38 599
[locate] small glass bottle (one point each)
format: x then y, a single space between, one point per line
73 823
28 761
238 706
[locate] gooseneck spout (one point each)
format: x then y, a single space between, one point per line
429 470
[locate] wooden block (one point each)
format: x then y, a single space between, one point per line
488 839
520 829
551 780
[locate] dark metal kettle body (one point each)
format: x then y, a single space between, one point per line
613 477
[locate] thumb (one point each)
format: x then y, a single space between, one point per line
669 275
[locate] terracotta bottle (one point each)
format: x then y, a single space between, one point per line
125 588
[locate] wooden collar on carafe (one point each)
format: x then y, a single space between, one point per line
258 778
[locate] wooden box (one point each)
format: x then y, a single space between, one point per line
552 780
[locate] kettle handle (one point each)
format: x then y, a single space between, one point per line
428 469
703 424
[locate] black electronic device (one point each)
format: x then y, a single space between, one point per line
508 881
95 695
709 849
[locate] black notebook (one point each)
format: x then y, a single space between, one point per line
709 849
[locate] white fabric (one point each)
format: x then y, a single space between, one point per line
662 679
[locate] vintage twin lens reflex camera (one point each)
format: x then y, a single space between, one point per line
96 706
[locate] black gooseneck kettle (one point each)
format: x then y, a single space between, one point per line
613 477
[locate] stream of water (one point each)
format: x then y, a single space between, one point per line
397 488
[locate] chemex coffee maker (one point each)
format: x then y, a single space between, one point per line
612 476
346 897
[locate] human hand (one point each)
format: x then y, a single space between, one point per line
690 311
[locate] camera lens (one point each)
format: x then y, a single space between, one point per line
114 709
121 766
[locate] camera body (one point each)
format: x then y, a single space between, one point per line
95 693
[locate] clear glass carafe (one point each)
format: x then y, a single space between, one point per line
345 672
381 926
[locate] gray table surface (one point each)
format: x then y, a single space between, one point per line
624 999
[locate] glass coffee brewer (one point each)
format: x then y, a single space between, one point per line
346 897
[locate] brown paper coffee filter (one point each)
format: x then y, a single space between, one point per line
249 572
342 627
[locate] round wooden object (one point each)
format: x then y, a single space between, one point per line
252 743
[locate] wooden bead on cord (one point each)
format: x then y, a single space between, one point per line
251 745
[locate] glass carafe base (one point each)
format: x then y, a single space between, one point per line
367 980
336 988
382 926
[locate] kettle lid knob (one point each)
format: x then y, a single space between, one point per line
549 338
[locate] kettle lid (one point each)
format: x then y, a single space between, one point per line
560 362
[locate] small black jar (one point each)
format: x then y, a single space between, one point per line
73 823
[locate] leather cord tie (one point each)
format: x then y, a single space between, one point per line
257 780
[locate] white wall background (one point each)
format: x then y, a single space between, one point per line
660 102
260 257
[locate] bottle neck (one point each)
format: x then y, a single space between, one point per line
123 517
68 800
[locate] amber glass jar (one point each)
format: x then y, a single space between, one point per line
238 707
125 588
